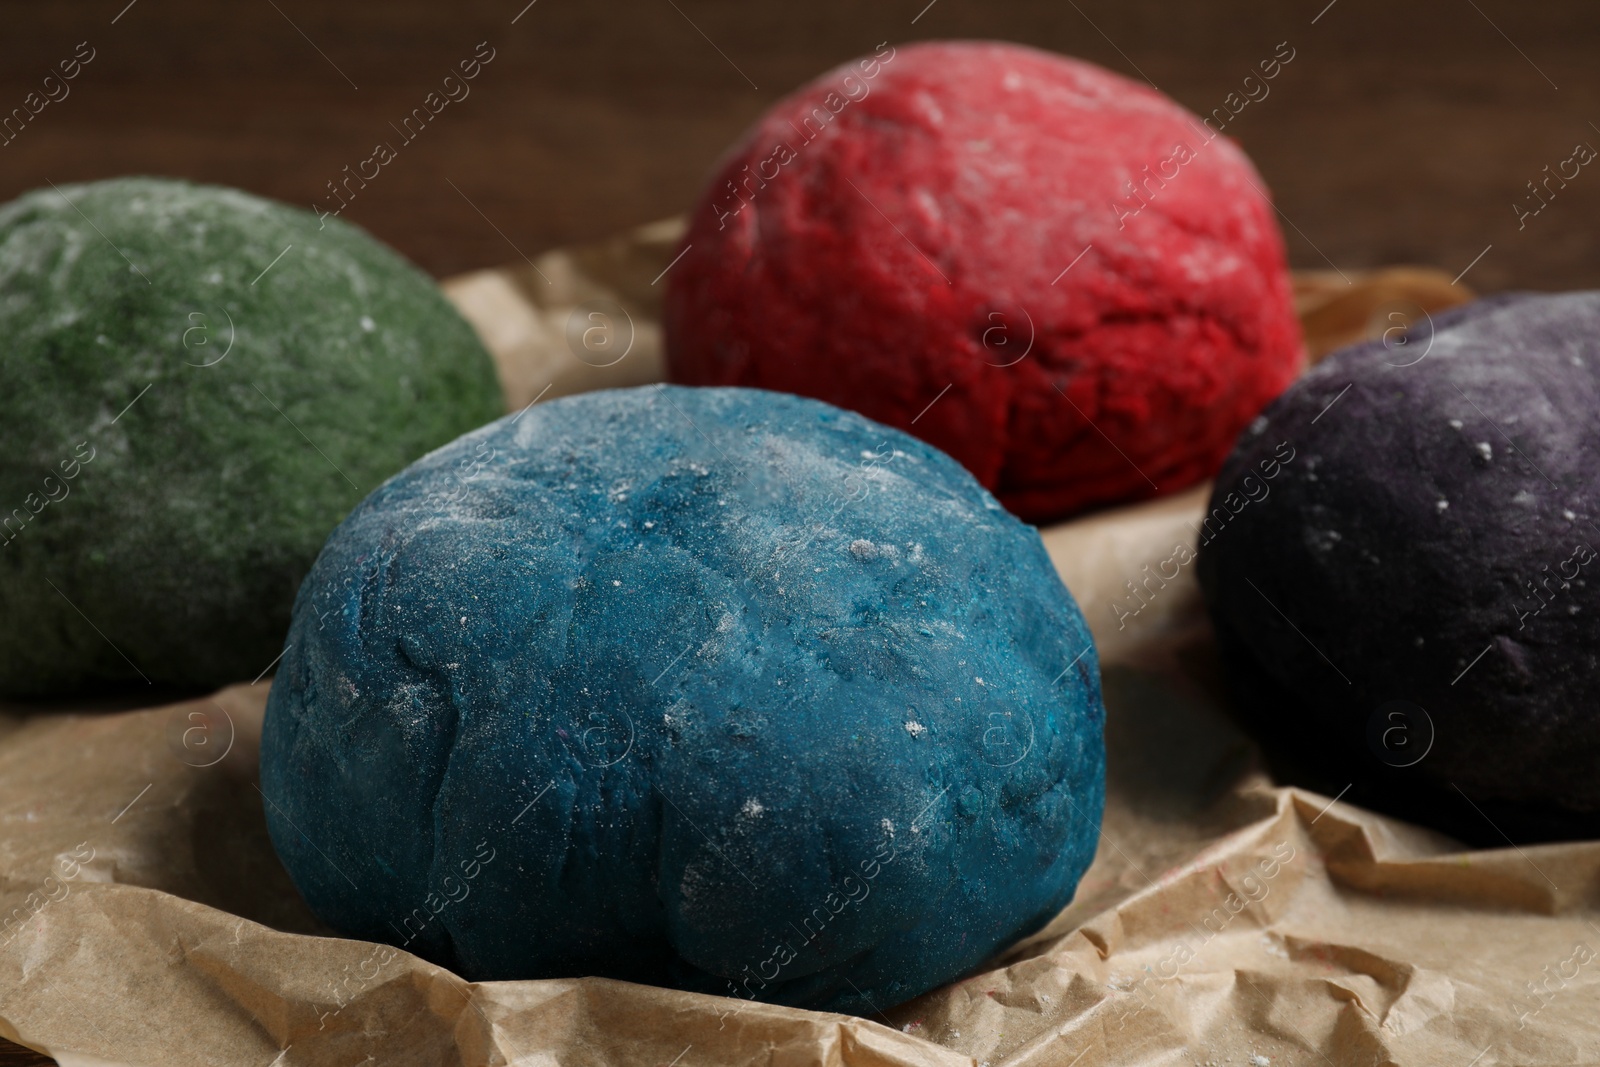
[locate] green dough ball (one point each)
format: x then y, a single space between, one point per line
198 385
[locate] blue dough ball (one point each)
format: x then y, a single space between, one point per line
720 689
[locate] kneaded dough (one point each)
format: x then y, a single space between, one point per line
198 385
1409 596
1057 275
714 688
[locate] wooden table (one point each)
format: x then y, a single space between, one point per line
1400 133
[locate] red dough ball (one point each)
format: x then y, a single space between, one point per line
1057 275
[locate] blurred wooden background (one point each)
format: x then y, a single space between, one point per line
1401 133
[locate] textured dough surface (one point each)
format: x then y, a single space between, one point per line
1434 541
716 688
918 244
181 426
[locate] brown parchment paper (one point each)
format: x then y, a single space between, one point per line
1225 921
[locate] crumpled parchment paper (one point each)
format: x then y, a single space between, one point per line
1226 920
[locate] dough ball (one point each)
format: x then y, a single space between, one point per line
1401 562
720 689
199 384
1056 275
